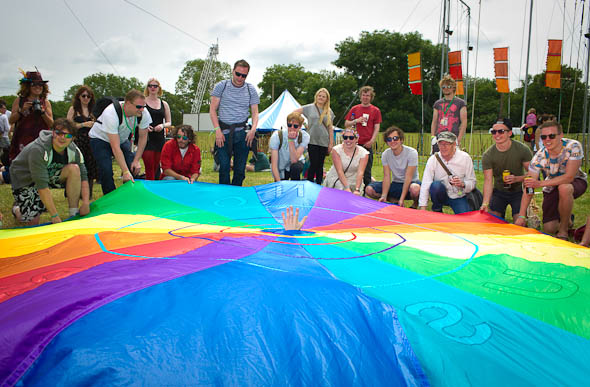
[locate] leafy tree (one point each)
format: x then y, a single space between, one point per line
188 81
178 106
60 109
106 85
379 59
291 77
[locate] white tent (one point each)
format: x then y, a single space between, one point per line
275 116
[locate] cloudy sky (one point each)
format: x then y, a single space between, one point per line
69 39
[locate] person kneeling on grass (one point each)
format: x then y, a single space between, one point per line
180 157
287 147
401 162
51 161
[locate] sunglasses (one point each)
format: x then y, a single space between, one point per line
293 126
241 75
390 139
180 136
551 136
62 133
154 86
139 106
84 96
348 137
37 84
499 131
447 86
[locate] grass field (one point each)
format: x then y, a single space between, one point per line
205 142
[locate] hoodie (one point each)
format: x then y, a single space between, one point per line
30 166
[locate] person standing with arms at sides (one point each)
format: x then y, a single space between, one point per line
501 188
161 119
449 114
560 159
321 132
81 114
349 163
286 149
367 119
31 112
110 135
231 101
400 171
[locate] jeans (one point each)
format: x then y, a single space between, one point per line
439 197
294 172
104 161
367 175
240 153
317 155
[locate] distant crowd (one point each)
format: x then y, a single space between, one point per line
39 153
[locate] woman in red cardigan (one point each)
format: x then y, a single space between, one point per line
181 158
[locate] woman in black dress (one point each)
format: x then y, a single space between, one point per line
81 113
161 119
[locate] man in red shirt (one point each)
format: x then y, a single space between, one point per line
181 158
367 119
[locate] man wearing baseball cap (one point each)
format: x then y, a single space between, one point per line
504 166
444 188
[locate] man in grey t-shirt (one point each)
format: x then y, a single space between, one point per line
231 102
400 171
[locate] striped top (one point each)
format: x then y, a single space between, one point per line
234 102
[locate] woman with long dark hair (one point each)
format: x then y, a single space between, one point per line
81 113
31 112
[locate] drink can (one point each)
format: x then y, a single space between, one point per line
505 174
529 190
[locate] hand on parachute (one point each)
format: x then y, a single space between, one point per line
291 221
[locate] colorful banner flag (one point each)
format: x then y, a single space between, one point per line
415 73
501 69
553 73
456 71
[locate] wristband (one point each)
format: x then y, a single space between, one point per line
217 127
485 204
54 216
522 217
127 171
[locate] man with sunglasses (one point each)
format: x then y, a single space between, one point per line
400 171
110 137
560 158
499 190
286 149
231 102
51 161
449 113
181 158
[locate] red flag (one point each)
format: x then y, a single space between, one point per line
415 73
501 69
553 73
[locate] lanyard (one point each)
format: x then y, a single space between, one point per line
132 130
448 106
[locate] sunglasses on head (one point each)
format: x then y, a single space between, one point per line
390 139
551 136
153 86
499 131
139 106
293 126
62 133
180 136
241 75
344 137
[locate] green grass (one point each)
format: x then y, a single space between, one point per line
205 142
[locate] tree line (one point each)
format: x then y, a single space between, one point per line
379 59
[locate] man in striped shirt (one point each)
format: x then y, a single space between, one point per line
231 102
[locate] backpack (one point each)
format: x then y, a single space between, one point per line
104 102
299 138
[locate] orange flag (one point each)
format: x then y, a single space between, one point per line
455 70
501 69
415 73
553 73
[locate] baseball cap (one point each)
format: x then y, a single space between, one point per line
504 121
446 136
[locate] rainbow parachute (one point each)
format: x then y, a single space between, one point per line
167 283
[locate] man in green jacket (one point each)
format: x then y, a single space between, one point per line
51 161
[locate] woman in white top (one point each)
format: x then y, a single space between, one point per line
349 163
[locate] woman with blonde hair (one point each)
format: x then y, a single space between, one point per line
321 131
161 119
349 163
